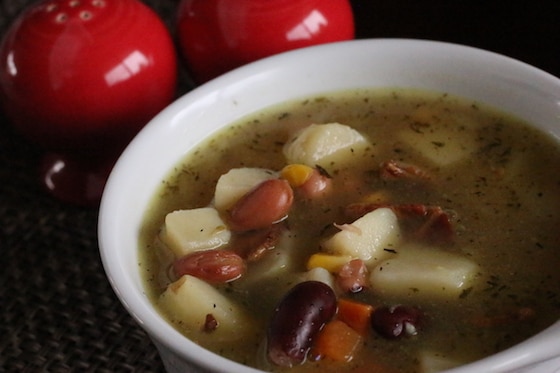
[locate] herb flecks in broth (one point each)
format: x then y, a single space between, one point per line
435 214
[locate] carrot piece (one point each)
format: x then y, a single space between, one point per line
336 341
356 314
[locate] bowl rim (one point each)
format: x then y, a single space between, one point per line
135 301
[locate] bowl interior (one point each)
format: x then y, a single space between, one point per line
493 79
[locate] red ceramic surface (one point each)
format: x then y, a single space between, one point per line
81 77
216 36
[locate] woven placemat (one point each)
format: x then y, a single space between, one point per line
57 310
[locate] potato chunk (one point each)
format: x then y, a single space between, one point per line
324 145
190 300
186 231
274 264
433 362
274 272
442 147
319 274
423 273
237 182
367 237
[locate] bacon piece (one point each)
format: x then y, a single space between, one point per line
253 245
210 323
352 277
426 222
356 210
514 316
396 170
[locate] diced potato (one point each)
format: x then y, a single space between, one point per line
274 264
189 300
272 273
186 231
332 263
319 274
538 198
442 147
368 237
424 273
324 145
433 362
237 182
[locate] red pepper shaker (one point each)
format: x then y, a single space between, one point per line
216 36
80 78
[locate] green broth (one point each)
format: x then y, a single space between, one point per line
505 196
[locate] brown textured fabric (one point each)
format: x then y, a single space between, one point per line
57 310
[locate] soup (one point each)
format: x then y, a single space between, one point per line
368 231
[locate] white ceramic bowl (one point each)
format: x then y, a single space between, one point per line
494 79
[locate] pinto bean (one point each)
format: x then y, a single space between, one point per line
217 266
296 321
316 185
266 204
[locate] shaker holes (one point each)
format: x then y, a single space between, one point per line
61 18
85 15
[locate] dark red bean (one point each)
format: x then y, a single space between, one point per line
396 322
297 320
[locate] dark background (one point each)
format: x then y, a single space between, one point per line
528 31
57 310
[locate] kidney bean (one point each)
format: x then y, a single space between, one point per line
215 265
266 204
396 322
297 320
